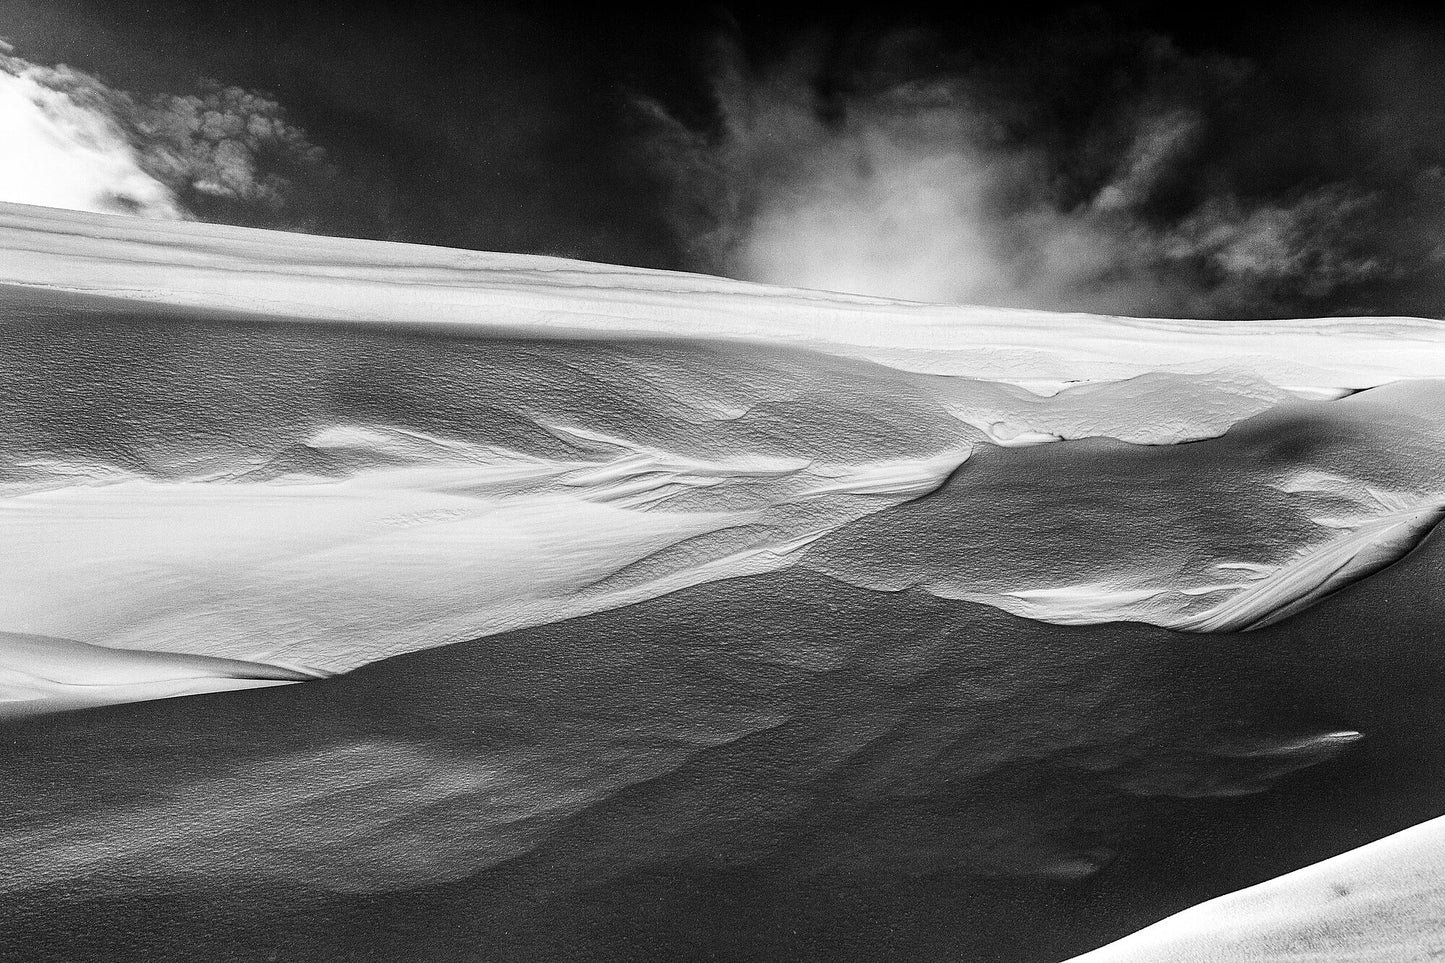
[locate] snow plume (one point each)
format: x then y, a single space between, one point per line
1080 178
72 141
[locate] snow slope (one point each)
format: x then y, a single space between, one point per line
333 279
774 767
192 462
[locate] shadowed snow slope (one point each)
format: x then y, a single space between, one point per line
775 767
1382 903
191 463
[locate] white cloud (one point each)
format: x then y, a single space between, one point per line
68 139
56 151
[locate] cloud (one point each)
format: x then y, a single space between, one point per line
225 145
1098 171
224 153
58 152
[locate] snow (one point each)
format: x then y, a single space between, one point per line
1381 903
1224 535
473 442
333 279
61 673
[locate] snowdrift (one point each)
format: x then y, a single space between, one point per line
314 453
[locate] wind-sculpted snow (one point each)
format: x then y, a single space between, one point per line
330 496
191 480
768 767
1223 535
191 474
1382 903
1367 545
60 673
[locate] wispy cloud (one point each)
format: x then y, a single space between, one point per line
1033 183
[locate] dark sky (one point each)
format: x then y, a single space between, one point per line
1145 158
